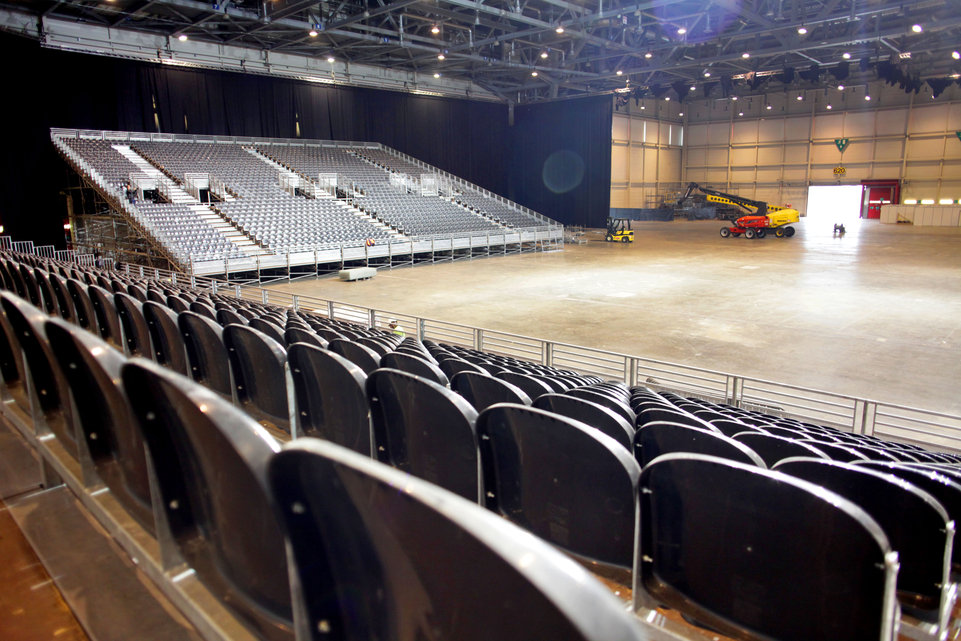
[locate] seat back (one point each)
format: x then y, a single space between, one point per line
330 397
418 365
136 334
82 305
527 383
106 320
206 355
297 335
917 525
593 414
105 423
377 563
483 390
167 343
49 395
210 461
773 448
258 364
268 327
661 437
560 479
750 553
425 429
362 356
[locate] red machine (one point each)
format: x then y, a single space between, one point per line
757 226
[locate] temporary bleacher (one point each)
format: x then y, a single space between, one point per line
281 203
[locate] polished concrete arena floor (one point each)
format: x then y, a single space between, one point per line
874 314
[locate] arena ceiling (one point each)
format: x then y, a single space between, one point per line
522 51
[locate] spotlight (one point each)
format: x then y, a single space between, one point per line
182 37
802 30
707 74
543 54
745 55
693 87
681 31
799 97
534 74
769 107
740 113
680 113
829 107
330 59
867 97
437 75
916 28
648 55
840 87
956 55
846 55
734 98
435 30
667 99
904 55
559 29
312 33
441 56
620 73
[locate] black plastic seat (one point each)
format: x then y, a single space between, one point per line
773 448
378 345
204 310
178 304
531 386
136 334
62 295
30 286
165 339
407 362
330 397
210 461
591 413
46 292
916 523
228 316
835 451
562 480
651 412
662 437
105 422
297 335
82 305
207 358
608 400
453 365
259 367
361 355
105 316
49 394
269 328
12 372
425 429
484 390
753 553
374 562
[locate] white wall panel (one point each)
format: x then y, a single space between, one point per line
891 121
932 119
889 150
858 124
742 156
745 132
829 126
619 127
717 157
696 136
719 133
619 165
771 129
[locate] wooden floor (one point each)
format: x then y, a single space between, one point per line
31 607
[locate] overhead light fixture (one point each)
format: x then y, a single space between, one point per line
312 33
910 201
435 30
799 97
559 29
534 74
667 99
544 54
734 98
769 107
945 201
905 55
693 87
955 76
620 73
643 107
802 30
681 31
437 75
840 87
707 74
867 96
927 201
829 107
648 55
846 55
917 28
956 55
441 56
745 55
740 113
330 59
680 113
182 37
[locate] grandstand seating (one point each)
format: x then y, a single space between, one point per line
547 467
256 212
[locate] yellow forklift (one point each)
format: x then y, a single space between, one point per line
619 231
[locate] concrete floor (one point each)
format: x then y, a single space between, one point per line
875 314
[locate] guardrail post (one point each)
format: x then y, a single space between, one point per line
865 413
630 371
421 329
547 354
478 339
330 309
734 390
173 277
371 318
263 295
237 291
295 303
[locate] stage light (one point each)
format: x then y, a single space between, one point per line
681 31
693 87
927 201
312 33
441 56
620 73
648 55
745 55
802 30
867 97
917 28
435 30
330 59
543 54
799 97
910 201
740 113
437 75
734 98
707 74
559 29
846 55
945 201
66 225
840 87
534 74
956 55
667 99
182 37
769 107
829 107
680 113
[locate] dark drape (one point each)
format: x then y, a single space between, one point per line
561 160
470 139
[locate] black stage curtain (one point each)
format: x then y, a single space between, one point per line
562 159
470 139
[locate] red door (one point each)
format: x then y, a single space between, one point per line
880 192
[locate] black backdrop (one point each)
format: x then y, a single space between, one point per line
47 88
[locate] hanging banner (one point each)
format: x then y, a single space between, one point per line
842 143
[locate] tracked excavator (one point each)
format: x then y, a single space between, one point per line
756 218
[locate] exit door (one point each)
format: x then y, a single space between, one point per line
879 192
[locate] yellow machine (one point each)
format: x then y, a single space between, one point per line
619 231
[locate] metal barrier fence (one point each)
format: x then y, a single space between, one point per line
935 430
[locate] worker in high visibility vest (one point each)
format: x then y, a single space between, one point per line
396 329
